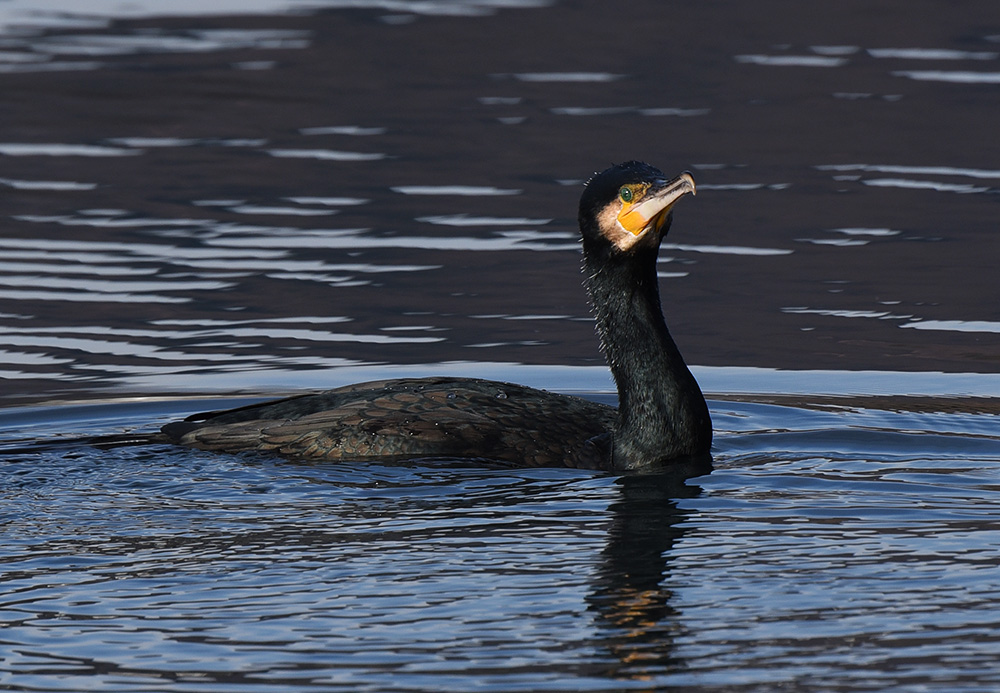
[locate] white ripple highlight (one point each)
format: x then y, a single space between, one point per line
911 184
726 249
931 54
954 77
325 155
55 149
984 173
55 185
467 220
567 76
466 190
792 60
871 314
955 325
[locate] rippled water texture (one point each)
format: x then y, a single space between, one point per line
840 547
204 201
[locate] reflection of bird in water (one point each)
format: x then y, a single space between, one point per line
625 211
630 594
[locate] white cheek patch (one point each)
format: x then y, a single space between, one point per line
611 228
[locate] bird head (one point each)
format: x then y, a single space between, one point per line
629 205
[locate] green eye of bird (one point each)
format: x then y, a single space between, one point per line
625 193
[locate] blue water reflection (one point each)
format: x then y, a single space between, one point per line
819 529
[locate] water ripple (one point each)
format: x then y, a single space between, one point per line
953 76
932 54
822 528
325 155
54 149
792 60
924 185
46 185
465 190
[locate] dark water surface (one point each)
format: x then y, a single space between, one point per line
291 195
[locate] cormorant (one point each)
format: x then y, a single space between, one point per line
625 211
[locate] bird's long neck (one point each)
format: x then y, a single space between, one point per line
661 410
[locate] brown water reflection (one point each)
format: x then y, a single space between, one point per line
174 209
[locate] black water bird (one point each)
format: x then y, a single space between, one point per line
662 418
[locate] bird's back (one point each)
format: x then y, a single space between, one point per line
415 417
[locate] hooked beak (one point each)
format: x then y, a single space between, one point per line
651 210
